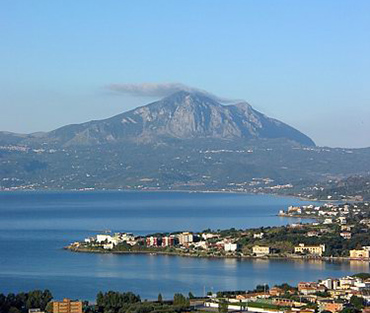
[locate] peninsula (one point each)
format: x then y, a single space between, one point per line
341 232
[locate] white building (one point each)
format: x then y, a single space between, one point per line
258 236
328 221
206 236
230 247
330 283
108 246
201 244
103 238
126 236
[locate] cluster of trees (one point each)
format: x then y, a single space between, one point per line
287 288
179 300
113 302
109 302
227 294
128 302
262 288
21 302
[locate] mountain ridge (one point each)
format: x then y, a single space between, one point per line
182 115
186 141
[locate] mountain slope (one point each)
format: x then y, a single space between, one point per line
183 115
187 141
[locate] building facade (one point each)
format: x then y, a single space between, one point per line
230 247
316 250
359 254
260 250
185 238
67 306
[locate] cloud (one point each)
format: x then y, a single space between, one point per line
158 90
150 89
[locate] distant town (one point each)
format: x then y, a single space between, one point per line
189 168
340 232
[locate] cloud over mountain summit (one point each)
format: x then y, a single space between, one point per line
160 90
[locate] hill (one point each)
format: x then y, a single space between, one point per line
187 141
183 115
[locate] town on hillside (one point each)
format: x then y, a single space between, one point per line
341 231
346 294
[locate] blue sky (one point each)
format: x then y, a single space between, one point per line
304 62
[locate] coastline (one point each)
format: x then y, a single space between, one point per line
236 257
278 195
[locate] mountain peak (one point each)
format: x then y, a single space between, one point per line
194 114
190 96
182 115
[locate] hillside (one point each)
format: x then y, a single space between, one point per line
186 141
183 115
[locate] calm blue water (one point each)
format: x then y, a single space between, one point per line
34 226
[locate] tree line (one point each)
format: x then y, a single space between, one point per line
22 302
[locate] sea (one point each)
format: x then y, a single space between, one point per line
35 226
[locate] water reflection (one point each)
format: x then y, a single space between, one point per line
359 266
260 263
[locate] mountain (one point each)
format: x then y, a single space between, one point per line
186 141
183 115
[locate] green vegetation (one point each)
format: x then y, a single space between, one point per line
357 302
180 300
286 287
226 294
115 302
354 186
362 275
180 166
350 310
261 288
281 239
21 302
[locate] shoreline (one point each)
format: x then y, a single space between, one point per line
306 217
264 258
171 191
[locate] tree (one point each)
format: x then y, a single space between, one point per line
191 296
362 275
160 298
114 301
350 310
100 300
262 288
13 310
49 307
357 302
46 298
180 300
38 299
